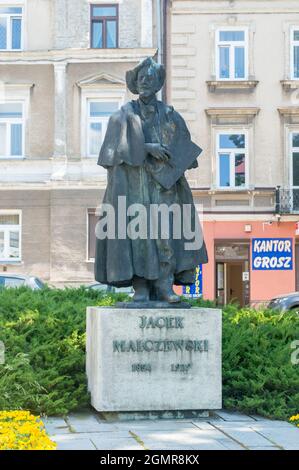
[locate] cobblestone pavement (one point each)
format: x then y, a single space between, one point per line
223 431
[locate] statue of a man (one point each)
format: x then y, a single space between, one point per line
146 150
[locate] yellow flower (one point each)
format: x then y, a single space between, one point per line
294 418
20 430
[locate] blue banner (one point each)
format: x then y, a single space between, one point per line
195 290
272 254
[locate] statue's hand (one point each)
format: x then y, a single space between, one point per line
159 152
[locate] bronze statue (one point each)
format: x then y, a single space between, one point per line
146 150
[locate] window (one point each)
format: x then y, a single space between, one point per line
10 234
104 26
295 159
231 54
11 29
231 160
11 130
294 167
91 235
99 113
295 53
295 171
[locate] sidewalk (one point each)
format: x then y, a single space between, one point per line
223 431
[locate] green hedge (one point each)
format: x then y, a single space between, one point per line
44 337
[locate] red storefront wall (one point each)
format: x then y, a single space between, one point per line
263 284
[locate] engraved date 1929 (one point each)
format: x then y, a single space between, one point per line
180 368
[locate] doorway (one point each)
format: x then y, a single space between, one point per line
235 292
232 272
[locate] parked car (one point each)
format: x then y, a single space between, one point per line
19 280
112 290
285 302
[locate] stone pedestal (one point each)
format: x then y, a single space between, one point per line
154 359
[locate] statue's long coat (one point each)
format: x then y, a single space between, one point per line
123 155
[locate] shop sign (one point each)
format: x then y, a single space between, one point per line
195 290
272 254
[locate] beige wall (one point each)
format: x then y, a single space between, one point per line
38 25
191 66
69 234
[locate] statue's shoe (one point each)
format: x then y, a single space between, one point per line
141 297
142 291
167 295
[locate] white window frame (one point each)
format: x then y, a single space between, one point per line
292 150
9 17
102 120
232 45
293 43
97 95
11 228
9 122
232 153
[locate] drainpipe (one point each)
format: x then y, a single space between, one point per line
159 30
159 38
277 200
166 42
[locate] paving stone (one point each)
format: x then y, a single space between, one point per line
194 438
273 424
204 425
213 445
155 446
244 435
230 444
285 437
56 426
233 416
264 448
104 443
231 431
84 422
73 436
259 418
159 425
213 433
75 444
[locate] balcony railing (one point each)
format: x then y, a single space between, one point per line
287 201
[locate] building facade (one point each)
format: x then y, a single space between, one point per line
233 73
62 73
234 67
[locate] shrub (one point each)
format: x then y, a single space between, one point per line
258 374
44 336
